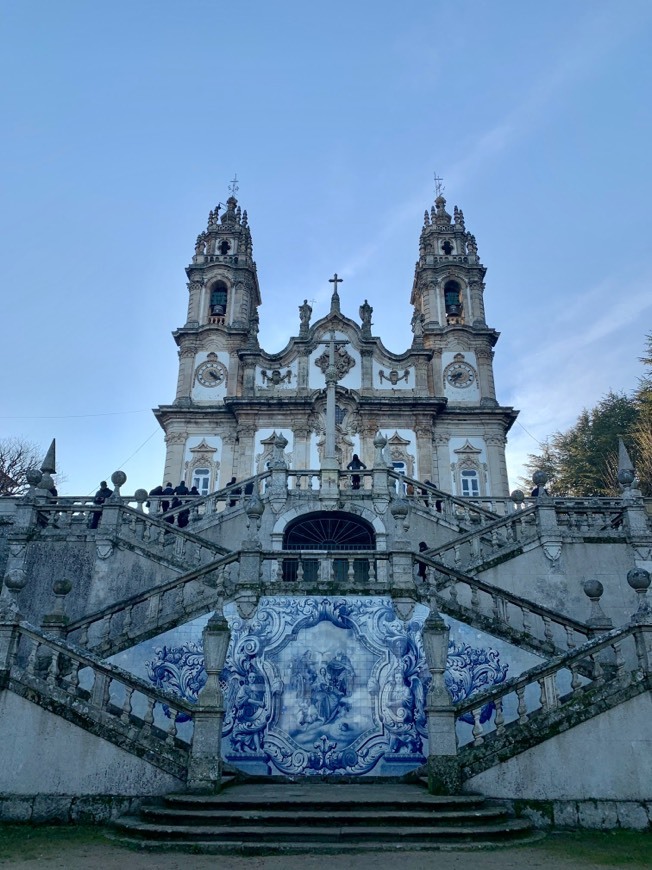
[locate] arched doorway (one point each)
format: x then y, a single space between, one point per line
328 531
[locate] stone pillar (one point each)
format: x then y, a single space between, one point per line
477 302
424 451
302 370
442 476
242 465
444 774
185 378
380 470
175 443
437 372
228 468
485 357
194 302
205 763
499 487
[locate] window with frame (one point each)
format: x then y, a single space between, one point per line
470 482
201 478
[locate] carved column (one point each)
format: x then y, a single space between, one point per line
367 373
477 303
499 486
443 478
485 357
444 776
436 372
301 447
205 763
302 369
194 302
175 448
186 371
228 467
424 451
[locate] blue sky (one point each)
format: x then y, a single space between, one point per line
124 122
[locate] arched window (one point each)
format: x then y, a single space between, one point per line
225 247
219 298
453 299
328 531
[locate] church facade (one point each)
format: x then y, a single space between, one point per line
435 402
350 590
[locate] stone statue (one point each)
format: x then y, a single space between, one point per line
200 244
365 316
471 245
305 312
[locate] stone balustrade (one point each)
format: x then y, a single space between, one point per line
504 614
154 610
616 661
476 550
102 698
350 571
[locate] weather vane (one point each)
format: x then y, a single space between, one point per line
233 186
439 187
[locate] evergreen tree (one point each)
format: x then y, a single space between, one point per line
584 460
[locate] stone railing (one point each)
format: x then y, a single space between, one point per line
460 512
101 698
478 549
513 716
183 547
200 508
517 620
159 609
347 571
602 517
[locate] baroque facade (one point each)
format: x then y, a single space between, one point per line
435 402
304 616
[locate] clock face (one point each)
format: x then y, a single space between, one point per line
459 374
211 373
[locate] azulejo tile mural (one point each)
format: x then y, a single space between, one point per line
326 686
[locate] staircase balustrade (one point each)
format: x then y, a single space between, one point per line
152 611
102 698
504 614
565 685
305 571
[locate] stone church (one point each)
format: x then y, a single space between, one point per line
338 591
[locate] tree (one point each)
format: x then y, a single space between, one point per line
641 443
17 456
584 460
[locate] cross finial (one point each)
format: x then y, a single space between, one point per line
439 187
335 280
233 186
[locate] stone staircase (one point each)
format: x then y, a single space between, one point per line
319 818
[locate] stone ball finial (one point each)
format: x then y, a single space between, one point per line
15 579
399 508
118 478
539 478
140 495
626 477
33 476
638 579
380 441
254 508
593 589
62 587
517 496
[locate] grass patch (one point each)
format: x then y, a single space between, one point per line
44 841
612 848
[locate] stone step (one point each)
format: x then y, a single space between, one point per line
275 818
134 826
314 817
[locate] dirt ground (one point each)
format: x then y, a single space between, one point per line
111 856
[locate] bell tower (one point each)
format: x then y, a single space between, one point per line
449 315
222 308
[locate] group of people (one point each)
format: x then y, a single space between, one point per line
174 497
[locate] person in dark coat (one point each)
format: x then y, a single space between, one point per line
182 489
355 465
169 490
235 493
183 517
101 496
